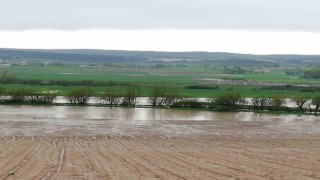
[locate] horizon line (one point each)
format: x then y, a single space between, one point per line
159 51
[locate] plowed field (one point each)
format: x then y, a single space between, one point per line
164 149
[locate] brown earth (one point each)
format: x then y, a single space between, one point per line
221 150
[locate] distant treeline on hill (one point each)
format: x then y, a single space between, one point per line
68 56
110 56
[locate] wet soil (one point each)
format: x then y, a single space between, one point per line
101 143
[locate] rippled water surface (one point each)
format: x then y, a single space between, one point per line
103 120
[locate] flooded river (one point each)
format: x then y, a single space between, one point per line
90 120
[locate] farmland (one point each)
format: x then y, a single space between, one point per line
63 142
98 142
179 77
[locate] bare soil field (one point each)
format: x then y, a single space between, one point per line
163 149
158 158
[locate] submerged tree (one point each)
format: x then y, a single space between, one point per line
316 102
171 97
162 95
229 101
260 103
111 96
79 95
189 102
41 97
157 95
130 96
18 95
278 102
1 93
300 101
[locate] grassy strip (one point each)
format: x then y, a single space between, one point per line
247 91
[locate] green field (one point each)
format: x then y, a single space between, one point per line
146 76
167 75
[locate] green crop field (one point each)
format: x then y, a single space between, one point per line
146 75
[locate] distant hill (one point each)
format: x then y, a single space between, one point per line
114 56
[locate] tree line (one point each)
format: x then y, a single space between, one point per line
233 101
313 73
162 96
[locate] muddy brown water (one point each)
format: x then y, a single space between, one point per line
64 142
89 120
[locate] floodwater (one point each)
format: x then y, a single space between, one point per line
65 142
79 113
91 120
144 101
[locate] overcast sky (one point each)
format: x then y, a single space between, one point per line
162 18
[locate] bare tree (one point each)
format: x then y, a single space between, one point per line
2 93
112 96
229 101
316 102
300 101
157 95
79 95
171 97
259 103
162 95
41 97
278 102
130 96
18 95
189 102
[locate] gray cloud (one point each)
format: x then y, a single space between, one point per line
294 15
